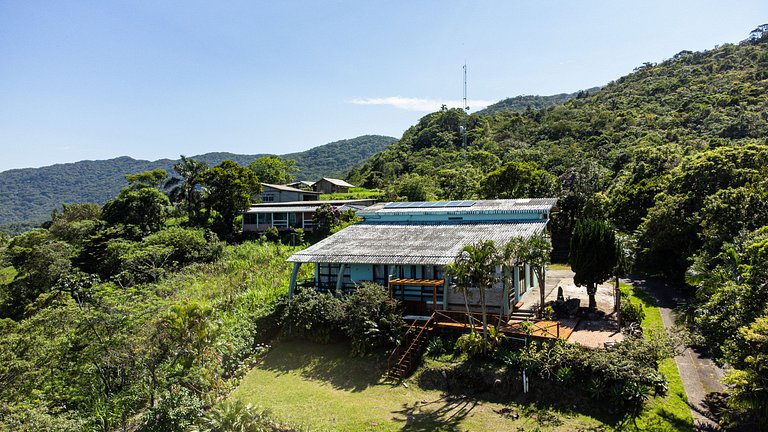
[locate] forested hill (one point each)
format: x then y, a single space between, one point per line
534 102
687 128
28 196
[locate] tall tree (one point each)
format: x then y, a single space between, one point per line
534 251
519 180
273 169
185 189
593 255
139 204
230 188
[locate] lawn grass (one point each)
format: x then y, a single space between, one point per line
354 193
671 412
320 388
558 266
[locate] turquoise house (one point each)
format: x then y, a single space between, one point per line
405 245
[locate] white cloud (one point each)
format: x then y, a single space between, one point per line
423 105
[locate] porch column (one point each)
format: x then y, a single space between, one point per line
292 283
445 294
528 284
505 292
340 277
516 283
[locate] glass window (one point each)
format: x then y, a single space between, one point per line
280 220
428 272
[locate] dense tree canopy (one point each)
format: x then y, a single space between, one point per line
593 255
273 169
229 189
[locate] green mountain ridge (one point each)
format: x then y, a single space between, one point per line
29 195
533 102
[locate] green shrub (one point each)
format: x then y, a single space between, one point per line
235 416
632 312
316 316
177 409
596 388
371 319
189 244
626 373
436 347
472 344
564 375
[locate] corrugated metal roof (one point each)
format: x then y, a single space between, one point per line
337 182
527 205
435 243
287 188
306 206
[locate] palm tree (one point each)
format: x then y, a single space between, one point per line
477 264
184 189
461 282
535 252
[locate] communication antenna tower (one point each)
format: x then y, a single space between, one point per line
466 111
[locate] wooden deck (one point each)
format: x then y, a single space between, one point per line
539 329
406 355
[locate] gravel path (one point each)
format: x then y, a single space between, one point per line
699 374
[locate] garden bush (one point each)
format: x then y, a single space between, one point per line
366 316
236 416
632 312
177 409
316 316
626 373
372 319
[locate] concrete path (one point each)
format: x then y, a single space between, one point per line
699 374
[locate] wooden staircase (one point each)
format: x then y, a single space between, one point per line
406 355
522 315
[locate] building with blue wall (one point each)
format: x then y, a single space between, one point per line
405 246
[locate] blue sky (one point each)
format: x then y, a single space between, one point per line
156 79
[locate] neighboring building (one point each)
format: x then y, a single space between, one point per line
405 246
295 214
330 185
272 193
303 185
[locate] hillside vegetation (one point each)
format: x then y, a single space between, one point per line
156 317
28 196
532 102
675 155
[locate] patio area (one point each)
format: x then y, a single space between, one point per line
593 332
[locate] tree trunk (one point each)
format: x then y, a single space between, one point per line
466 306
542 294
485 316
617 302
591 291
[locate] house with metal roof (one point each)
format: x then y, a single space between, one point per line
293 214
405 246
272 193
328 185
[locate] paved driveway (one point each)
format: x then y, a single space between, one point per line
699 374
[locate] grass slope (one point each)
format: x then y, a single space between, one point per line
321 388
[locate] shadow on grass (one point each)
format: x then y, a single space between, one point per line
330 363
443 414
